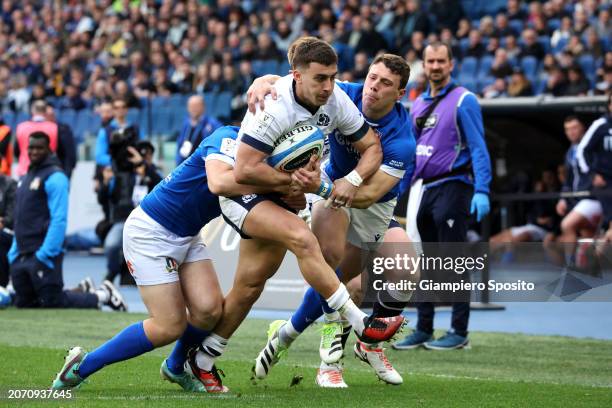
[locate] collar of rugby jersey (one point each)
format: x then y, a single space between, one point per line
427 95
385 120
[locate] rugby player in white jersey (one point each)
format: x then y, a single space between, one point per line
268 227
343 235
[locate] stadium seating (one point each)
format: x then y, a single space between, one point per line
162 117
262 67
529 65
484 65
469 66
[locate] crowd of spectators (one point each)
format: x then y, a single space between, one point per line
78 54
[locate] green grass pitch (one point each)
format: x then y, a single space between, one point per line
501 370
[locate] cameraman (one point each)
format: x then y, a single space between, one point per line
120 110
125 183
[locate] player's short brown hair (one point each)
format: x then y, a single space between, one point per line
397 65
305 50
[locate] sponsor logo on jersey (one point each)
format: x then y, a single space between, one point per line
323 119
228 147
263 121
248 198
424 150
293 132
397 163
171 265
431 121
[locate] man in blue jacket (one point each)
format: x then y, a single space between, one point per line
40 219
196 128
451 180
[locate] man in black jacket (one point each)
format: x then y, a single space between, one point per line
36 253
123 190
8 186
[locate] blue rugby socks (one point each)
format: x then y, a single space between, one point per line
130 342
190 338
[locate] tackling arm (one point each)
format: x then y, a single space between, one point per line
373 189
221 181
252 169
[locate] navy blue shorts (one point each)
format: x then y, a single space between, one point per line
235 209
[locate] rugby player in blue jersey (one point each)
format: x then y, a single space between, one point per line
173 271
362 224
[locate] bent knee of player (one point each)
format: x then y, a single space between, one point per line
207 313
302 242
568 225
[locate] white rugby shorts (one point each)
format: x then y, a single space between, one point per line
367 226
536 233
154 254
590 209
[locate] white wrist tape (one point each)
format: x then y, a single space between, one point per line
354 178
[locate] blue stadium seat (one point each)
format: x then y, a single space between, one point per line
456 70
483 82
223 109
587 63
53 101
133 115
484 66
178 114
560 45
92 121
553 24
283 68
468 82
529 65
263 67
491 7
464 44
346 56
210 100
606 44
471 8
469 66
68 116
516 25
544 40
9 119
146 122
389 37
22 116
80 128
161 116
539 86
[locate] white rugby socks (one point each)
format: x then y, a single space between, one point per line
341 301
212 347
287 334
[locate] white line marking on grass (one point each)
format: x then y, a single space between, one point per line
362 368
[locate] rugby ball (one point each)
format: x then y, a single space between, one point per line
5 298
293 149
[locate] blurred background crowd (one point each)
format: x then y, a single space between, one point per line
77 54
